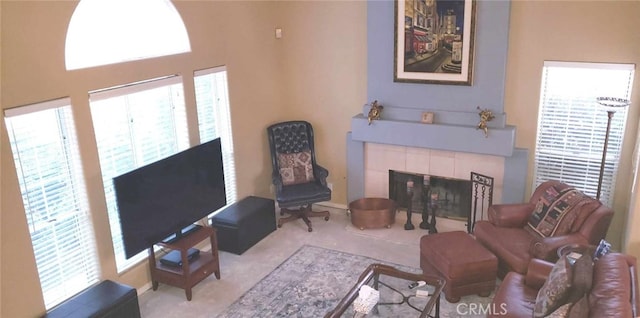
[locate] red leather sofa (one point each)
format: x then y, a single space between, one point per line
614 290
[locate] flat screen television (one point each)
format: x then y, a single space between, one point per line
163 200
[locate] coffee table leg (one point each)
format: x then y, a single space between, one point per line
438 307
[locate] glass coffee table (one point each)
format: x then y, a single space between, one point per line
402 294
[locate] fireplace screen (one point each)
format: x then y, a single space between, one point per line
443 197
452 196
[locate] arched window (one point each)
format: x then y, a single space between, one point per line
104 32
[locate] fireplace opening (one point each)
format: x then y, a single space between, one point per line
451 196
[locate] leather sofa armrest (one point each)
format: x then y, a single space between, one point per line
537 273
635 295
546 248
510 215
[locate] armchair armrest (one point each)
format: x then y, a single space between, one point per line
321 173
510 215
276 179
546 248
537 273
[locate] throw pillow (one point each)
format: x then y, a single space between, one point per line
552 207
561 312
582 277
295 167
555 290
580 309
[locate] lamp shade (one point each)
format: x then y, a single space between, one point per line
104 32
613 102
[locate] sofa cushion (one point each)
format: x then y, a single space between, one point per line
511 245
295 167
555 290
514 298
582 277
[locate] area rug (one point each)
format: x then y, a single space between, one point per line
313 280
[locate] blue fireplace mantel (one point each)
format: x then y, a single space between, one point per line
451 131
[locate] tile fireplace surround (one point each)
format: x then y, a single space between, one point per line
380 158
450 147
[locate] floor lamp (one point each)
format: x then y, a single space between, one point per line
611 103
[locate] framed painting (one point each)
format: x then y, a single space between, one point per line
433 41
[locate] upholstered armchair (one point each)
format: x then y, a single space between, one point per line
556 215
298 179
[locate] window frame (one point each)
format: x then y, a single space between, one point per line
221 123
571 128
59 278
180 126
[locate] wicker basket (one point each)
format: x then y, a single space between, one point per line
371 213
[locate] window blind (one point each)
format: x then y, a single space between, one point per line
572 125
214 120
45 150
135 125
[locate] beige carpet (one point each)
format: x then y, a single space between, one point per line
397 233
239 273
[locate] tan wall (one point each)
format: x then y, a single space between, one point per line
316 72
589 31
319 39
1 129
236 34
324 64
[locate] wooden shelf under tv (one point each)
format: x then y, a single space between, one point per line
190 273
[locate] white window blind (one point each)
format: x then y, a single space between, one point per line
45 150
572 125
135 125
214 120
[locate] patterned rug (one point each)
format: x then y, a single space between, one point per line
313 280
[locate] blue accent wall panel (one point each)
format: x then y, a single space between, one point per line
490 57
515 176
355 169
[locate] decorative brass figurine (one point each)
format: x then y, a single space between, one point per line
485 116
375 111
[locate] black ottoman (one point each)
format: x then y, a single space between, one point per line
105 300
244 223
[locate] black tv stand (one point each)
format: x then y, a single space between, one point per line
182 233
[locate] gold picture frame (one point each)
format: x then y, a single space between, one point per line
434 41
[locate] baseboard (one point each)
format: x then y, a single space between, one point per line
325 203
332 205
144 288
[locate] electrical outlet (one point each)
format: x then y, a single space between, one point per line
330 186
272 189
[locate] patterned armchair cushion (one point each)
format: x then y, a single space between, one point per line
295 167
558 211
